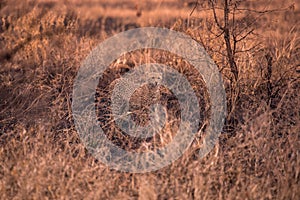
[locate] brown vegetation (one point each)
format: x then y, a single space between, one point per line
42 44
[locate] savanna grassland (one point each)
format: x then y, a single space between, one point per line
42 45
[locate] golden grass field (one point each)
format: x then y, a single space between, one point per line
42 45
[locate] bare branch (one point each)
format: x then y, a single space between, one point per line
196 5
246 35
215 15
264 11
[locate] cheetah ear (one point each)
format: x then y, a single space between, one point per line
292 7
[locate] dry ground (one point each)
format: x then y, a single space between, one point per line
42 44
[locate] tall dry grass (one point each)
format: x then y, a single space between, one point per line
41 47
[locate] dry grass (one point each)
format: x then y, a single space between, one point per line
41 47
